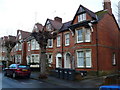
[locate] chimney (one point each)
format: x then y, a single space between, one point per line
107 6
58 19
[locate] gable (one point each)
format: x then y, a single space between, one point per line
81 11
19 35
48 25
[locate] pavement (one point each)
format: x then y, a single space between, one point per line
86 82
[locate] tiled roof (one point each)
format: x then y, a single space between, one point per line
91 13
101 13
55 24
65 26
39 26
24 34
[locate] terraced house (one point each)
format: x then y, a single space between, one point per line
89 42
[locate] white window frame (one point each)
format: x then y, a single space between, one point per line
84 52
36 45
50 40
20 46
17 47
50 60
85 32
58 41
28 46
82 17
114 59
33 44
67 39
77 36
35 60
88 32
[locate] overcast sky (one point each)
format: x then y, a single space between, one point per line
23 14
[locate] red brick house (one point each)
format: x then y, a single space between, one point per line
4 52
33 47
20 50
88 42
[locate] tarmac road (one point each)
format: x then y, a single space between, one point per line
24 83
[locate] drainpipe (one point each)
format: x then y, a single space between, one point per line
118 52
97 59
62 52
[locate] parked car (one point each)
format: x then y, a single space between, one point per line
15 70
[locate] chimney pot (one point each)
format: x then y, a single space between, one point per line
58 19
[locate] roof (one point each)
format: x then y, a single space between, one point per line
55 24
24 34
91 13
39 27
84 23
65 26
101 13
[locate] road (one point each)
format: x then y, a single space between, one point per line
8 82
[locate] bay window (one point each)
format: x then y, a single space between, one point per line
84 58
83 35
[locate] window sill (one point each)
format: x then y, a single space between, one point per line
58 46
67 45
50 47
83 42
84 67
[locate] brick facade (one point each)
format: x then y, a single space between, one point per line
102 50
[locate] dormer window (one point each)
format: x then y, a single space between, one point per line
82 17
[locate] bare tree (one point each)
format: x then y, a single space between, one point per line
42 38
9 43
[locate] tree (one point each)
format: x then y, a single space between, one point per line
9 42
42 38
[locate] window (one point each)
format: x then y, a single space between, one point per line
67 39
20 46
28 46
58 41
50 43
87 35
18 59
37 45
35 58
82 17
50 59
83 35
84 58
16 47
34 45
113 59
80 36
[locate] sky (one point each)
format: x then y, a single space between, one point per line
23 14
